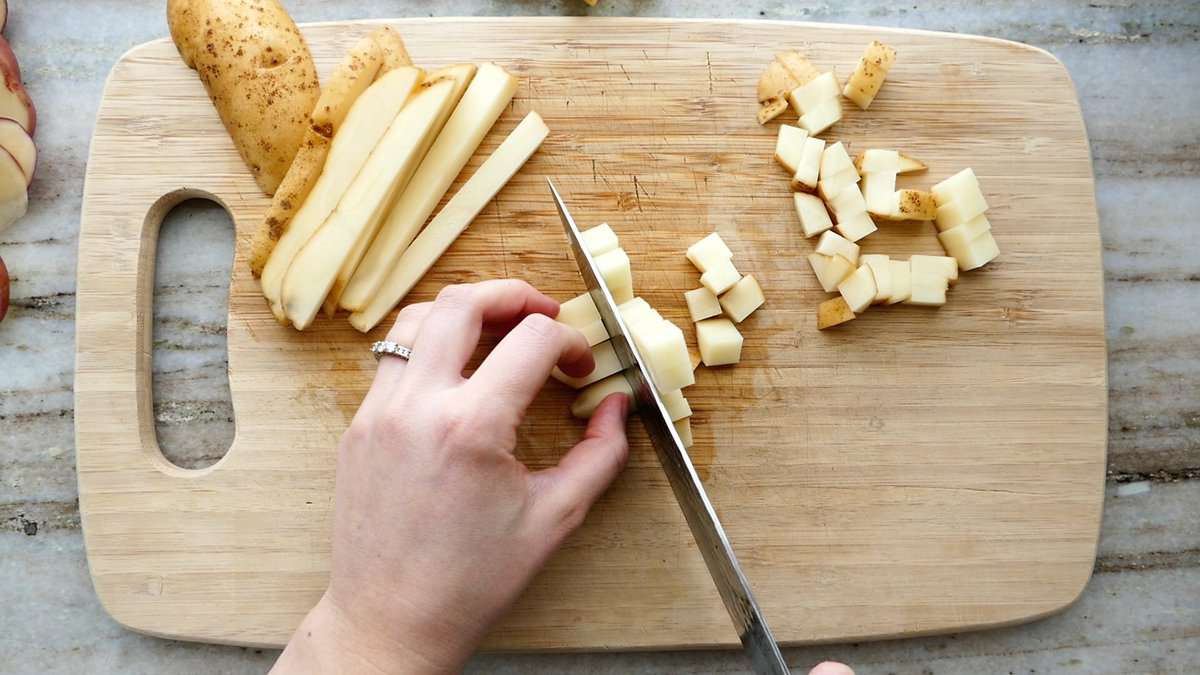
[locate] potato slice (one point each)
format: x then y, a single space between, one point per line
789 147
809 166
928 290
708 252
814 219
859 289
832 243
901 272
719 341
833 312
702 304
720 277
855 227
683 428
882 273
830 270
581 314
593 395
868 77
740 301
600 239
607 364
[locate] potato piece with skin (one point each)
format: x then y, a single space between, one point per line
581 314
911 205
801 68
814 219
868 77
614 267
855 227
258 72
901 272
833 312
702 304
830 270
789 147
743 299
607 364
859 289
809 166
395 54
775 82
720 277
910 165
600 239
709 251
719 341
832 243
770 109
882 273
591 396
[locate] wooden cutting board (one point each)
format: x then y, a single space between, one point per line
916 471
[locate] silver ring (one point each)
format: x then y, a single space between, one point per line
387 348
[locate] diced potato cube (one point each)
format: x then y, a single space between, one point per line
878 161
710 250
858 289
806 97
962 209
720 277
835 160
935 265
833 312
702 304
580 313
665 351
637 311
832 243
914 205
831 186
821 117
809 166
927 289
848 201
830 270
683 428
965 233
973 254
607 363
614 267
879 190
961 183
720 342
594 394
600 239
856 226
901 271
677 406
740 301
814 219
868 77
789 146
882 273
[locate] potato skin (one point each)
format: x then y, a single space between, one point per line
257 70
4 284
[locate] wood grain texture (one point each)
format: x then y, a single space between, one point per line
918 471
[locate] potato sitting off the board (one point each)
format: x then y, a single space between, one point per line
258 72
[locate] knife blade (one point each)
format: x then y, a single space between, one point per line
757 640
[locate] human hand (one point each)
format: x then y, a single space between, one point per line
437 526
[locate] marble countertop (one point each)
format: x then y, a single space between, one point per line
1135 69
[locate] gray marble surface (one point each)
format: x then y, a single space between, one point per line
1135 67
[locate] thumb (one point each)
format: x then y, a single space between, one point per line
568 490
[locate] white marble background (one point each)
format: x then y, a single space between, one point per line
1137 69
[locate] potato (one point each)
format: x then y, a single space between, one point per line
868 77
594 394
928 290
856 226
607 364
14 198
882 272
720 277
814 219
901 272
4 289
719 341
709 252
911 205
356 72
15 103
809 165
832 243
743 298
614 267
830 270
789 147
683 428
600 239
858 289
581 314
395 54
833 312
19 144
258 72
702 304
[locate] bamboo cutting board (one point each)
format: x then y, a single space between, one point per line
916 471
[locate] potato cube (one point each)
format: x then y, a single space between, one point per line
848 201
935 265
720 342
740 301
677 406
879 190
855 227
901 271
914 205
665 351
822 117
607 363
830 270
962 209
710 250
814 219
831 186
868 77
835 160
683 429
832 243
789 146
807 97
961 235
702 304
614 267
599 239
637 311
961 183
833 312
580 313
594 394
878 161
882 273
720 277
973 254
809 167
858 289
927 289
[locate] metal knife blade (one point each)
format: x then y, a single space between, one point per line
757 639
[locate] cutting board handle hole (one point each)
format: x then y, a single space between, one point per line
193 259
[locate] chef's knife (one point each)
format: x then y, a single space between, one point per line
756 637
